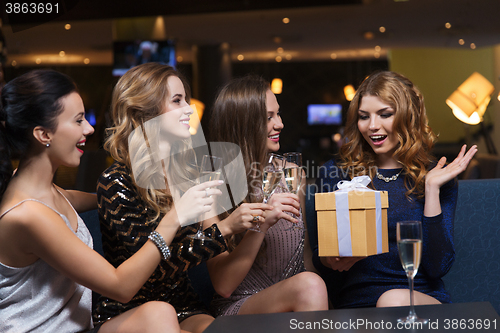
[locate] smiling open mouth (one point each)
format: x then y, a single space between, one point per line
378 138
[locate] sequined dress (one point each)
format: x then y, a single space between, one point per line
126 224
283 258
362 285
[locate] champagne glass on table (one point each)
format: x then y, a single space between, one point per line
210 169
409 237
271 177
293 176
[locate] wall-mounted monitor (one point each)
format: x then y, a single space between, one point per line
127 54
324 114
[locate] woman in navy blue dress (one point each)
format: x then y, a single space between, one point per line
389 139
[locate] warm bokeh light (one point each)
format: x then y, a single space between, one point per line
288 57
378 48
333 55
277 86
280 50
62 54
13 63
337 137
240 57
376 55
447 25
278 59
381 29
349 92
86 61
461 41
180 59
38 61
286 20
473 46
67 26
368 35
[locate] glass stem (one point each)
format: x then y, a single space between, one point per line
410 283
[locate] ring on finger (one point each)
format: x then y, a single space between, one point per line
256 218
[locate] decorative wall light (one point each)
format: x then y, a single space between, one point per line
469 103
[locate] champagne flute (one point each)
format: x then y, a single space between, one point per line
271 177
409 237
293 177
210 169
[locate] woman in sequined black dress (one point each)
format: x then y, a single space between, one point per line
150 114
388 138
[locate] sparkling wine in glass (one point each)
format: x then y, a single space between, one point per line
409 237
293 175
210 169
271 177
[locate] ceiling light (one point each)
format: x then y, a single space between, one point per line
381 29
447 25
376 55
13 63
86 61
62 54
67 26
288 57
473 46
377 48
278 59
461 41
240 57
280 50
286 20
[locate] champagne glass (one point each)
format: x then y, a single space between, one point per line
210 169
293 176
409 237
271 177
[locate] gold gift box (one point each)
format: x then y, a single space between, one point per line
362 216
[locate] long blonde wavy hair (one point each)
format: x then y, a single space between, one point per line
410 125
139 96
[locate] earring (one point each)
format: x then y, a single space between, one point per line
47 145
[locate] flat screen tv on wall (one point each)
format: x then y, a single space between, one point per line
127 54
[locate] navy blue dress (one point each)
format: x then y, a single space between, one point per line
369 278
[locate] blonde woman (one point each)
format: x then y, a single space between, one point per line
150 112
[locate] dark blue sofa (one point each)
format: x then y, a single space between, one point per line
474 277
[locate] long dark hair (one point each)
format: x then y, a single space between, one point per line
30 100
239 116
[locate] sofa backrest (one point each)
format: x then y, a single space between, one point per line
475 275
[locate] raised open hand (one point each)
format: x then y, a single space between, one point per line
442 173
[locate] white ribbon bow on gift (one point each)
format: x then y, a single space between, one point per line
356 183
343 220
